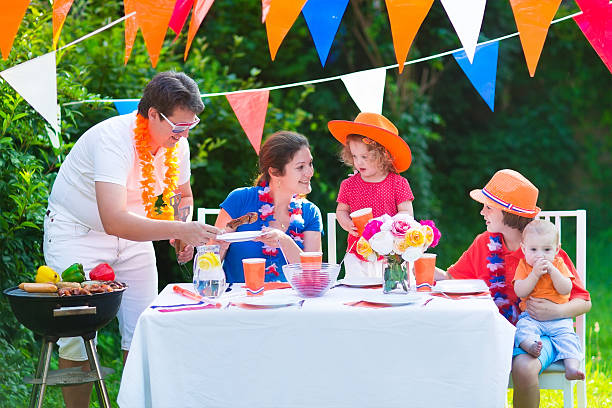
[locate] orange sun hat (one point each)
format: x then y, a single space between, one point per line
509 191
378 128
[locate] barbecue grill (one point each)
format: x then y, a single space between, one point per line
53 317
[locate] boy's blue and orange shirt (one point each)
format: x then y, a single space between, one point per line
473 265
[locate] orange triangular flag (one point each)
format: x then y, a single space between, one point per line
533 18
60 11
281 17
10 20
153 17
200 9
250 109
406 17
131 29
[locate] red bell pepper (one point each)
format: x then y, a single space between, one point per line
102 272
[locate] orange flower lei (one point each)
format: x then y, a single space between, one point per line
142 137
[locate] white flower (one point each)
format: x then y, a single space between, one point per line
382 242
411 254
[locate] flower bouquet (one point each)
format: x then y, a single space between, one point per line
397 240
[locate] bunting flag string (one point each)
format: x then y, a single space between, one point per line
281 16
367 88
466 17
596 25
250 108
60 11
10 20
179 15
533 17
323 19
482 72
200 9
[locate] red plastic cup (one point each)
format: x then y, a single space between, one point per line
360 218
254 275
424 269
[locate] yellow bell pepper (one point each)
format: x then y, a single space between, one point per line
45 274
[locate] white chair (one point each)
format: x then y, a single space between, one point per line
331 237
553 378
203 212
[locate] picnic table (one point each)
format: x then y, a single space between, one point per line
432 352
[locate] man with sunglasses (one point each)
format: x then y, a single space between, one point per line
101 207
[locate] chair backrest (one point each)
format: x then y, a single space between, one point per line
203 212
561 220
331 237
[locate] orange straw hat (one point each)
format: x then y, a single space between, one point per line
509 191
379 129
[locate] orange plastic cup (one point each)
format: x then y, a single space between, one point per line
360 218
311 260
424 269
254 275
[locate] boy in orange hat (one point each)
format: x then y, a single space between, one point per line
543 274
373 147
509 205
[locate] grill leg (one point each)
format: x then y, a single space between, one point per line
94 363
38 390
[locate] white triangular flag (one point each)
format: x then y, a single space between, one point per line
466 16
367 88
35 80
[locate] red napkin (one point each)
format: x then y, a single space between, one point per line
364 303
459 296
179 309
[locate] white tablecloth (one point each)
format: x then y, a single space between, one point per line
448 353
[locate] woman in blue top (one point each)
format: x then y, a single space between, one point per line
291 223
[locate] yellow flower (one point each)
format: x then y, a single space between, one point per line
429 234
415 237
363 248
400 245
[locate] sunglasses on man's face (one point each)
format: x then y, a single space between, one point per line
181 127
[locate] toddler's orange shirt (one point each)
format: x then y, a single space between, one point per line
544 289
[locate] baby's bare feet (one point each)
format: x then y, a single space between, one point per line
572 370
574 374
534 348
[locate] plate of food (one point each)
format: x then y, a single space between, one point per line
239 236
460 286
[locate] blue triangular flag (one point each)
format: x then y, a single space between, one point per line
124 107
323 19
483 71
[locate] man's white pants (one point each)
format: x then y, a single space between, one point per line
66 242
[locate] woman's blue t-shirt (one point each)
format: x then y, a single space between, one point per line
244 200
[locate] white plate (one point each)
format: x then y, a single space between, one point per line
268 301
461 286
395 299
360 283
239 236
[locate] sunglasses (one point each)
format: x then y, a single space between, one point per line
181 127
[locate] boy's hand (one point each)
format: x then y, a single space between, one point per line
540 267
550 268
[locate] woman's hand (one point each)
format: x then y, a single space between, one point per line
271 237
543 309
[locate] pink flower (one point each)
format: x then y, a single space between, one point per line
399 228
436 231
371 228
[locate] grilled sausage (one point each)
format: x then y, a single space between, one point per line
39 287
247 218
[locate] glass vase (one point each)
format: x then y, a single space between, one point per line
395 277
